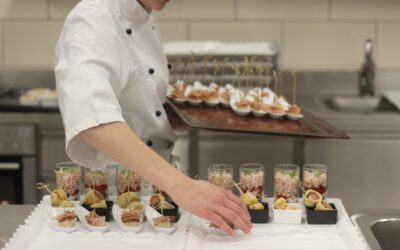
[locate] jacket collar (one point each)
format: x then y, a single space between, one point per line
135 11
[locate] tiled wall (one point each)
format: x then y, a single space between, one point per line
312 34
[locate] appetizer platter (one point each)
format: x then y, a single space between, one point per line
160 221
253 102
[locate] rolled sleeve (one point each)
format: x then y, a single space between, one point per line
88 78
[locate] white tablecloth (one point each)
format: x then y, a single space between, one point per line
192 234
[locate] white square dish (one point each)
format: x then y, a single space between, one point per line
288 216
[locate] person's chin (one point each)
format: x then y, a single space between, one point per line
159 7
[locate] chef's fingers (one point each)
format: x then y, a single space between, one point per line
241 212
238 201
220 223
228 214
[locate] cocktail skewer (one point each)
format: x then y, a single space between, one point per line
205 62
259 70
216 69
267 79
42 186
294 75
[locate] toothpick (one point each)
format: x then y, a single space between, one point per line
276 80
281 82
294 74
216 69
259 71
236 68
237 187
174 65
226 61
205 61
42 186
267 71
191 68
184 69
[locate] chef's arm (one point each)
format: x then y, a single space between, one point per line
201 198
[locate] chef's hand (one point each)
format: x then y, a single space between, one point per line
214 204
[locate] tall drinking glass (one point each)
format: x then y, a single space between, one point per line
315 177
252 178
68 178
96 180
127 181
287 182
221 175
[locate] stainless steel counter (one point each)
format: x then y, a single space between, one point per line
11 216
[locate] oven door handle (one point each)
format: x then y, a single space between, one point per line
9 166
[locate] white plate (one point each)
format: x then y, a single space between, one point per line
241 112
212 103
178 101
82 213
152 213
294 117
259 113
117 212
194 102
52 212
277 115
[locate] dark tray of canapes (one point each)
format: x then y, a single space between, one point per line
224 119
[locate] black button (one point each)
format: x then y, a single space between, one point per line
151 71
149 143
169 66
128 31
153 27
158 113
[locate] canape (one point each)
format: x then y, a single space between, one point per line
277 111
210 97
224 96
164 207
241 107
91 220
62 219
258 210
193 96
94 200
130 220
158 221
294 113
259 108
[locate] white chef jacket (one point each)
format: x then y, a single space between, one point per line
110 66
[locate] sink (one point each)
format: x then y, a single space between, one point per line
387 232
380 228
357 104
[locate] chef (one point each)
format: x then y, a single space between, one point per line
112 78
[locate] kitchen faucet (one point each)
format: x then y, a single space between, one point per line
367 74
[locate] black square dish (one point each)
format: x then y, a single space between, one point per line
322 216
260 215
173 213
102 211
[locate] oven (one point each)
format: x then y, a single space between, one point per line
18 164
